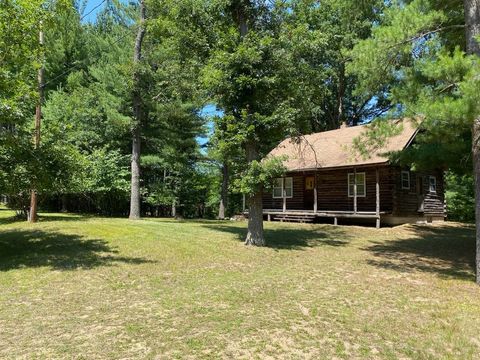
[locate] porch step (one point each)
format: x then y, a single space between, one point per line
294 218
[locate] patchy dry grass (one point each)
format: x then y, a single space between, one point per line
86 287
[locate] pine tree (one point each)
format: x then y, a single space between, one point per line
424 56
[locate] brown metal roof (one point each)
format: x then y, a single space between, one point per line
330 149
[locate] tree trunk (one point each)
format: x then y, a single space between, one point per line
255 203
32 214
255 206
340 96
472 31
255 220
476 166
138 119
135 180
224 193
64 203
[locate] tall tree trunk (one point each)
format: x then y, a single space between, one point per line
32 214
224 193
255 206
138 119
476 167
340 95
135 180
472 31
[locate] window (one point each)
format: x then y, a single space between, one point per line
288 187
360 181
281 186
433 184
405 179
278 188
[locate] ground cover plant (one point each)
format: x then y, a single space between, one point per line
77 286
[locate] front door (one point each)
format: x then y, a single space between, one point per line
308 193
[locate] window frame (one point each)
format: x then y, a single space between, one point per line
283 188
276 187
405 172
350 195
430 178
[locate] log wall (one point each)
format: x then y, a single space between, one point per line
332 192
408 201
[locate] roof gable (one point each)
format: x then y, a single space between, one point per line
335 148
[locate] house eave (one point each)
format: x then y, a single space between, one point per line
348 166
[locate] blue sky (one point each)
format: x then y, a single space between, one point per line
208 111
91 4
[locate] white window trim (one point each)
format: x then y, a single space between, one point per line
364 184
283 189
405 172
430 184
273 190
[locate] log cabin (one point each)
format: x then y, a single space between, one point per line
327 178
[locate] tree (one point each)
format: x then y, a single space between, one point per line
24 56
20 47
242 76
138 110
472 33
425 58
317 36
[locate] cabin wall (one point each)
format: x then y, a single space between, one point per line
294 203
332 191
408 202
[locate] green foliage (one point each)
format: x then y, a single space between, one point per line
259 175
460 197
107 171
414 57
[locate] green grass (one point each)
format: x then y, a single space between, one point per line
86 287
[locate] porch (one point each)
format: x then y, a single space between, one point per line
352 193
310 215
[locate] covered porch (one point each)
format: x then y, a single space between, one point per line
329 194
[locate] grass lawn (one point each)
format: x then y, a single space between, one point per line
86 287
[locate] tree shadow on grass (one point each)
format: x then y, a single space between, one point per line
46 217
35 248
445 250
291 238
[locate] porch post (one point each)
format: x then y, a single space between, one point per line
377 193
284 200
354 190
315 204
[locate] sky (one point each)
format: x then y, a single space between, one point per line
91 4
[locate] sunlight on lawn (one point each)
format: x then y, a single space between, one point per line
111 288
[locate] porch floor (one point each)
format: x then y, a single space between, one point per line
310 215
325 213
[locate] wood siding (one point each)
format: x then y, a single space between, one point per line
332 192
294 203
407 201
